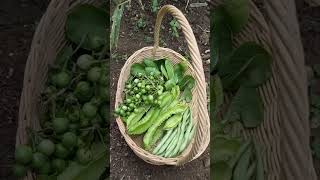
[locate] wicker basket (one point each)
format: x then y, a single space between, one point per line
48 40
199 100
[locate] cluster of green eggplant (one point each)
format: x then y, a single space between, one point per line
76 100
164 120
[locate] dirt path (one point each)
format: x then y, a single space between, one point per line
124 163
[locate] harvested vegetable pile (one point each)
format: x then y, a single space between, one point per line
72 141
156 105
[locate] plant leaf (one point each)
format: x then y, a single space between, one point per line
239 12
247 107
240 171
93 170
221 171
248 65
220 37
170 69
116 23
89 22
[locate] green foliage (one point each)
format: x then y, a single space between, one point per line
141 23
239 12
174 26
154 5
116 23
86 26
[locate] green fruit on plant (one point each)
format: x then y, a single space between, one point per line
94 74
84 61
23 154
80 143
38 160
60 125
83 91
19 170
62 79
74 127
61 151
84 156
46 147
74 114
45 168
69 140
89 110
58 165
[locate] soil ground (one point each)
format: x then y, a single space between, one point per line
124 163
18 20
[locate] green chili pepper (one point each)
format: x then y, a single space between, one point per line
173 121
143 125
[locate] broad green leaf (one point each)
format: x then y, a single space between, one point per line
223 148
137 68
92 170
187 82
116 23
164 72
246 106
220 37
179 71
249 65
87 24
169 68
259 169
239 12
187 95
221 171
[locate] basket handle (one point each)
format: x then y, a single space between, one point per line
187 31
197 66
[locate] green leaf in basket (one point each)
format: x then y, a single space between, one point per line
239 12
187 82
221 171
249 65
246 106
87 24
137 68
220 37
169 68
187 95
179 71
92 170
